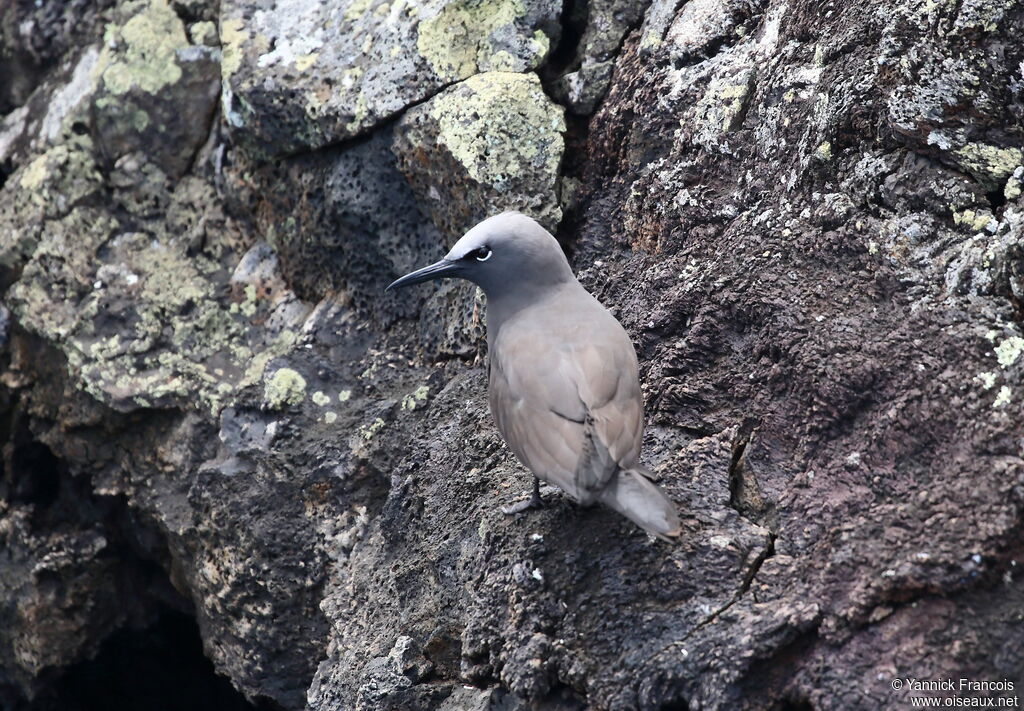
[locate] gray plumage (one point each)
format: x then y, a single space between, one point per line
564 381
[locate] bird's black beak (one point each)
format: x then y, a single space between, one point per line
435 271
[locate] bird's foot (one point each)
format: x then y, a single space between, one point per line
534 502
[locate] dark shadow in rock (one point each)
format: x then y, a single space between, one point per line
35 475
794 705
159 668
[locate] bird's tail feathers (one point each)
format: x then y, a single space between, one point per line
641 501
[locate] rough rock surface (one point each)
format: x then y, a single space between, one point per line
808 216
147 70
489 144
603 25
301 74
37 36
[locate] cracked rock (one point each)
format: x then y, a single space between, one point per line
489 144
301 74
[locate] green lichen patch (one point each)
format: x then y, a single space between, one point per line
303 78
203 33
721 108
48 297
357 8
49 187
233 36
984 15
463 39
305 61
143 322
416 398
974 220
499 125
367 432
1003 397
733 97
1009 350
34 174
990 165
501 135
987 379
146 75
183 342
284 387
141 53
60 178
1012 189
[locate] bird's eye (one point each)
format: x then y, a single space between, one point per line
480 254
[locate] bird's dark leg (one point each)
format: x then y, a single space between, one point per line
534 502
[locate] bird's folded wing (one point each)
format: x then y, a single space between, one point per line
545 441
608 386
573 416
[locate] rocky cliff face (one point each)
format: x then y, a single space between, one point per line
808 216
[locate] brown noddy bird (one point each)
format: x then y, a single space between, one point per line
564 380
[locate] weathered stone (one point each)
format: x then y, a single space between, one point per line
300 75
146 72
353 227
452 321
926 104
37 37
491 143
605 24
49 114
701 28
656 21
46 631
52 188
114 315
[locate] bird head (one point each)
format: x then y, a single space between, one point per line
507 252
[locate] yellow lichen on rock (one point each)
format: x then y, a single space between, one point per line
971 219
457 41
490 143
232 37
1003 397
203 32
1009 350
367 432
34 174
991 165
987 379
305 61
284 387
416 398
356 9
721 108
150 40
503 123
